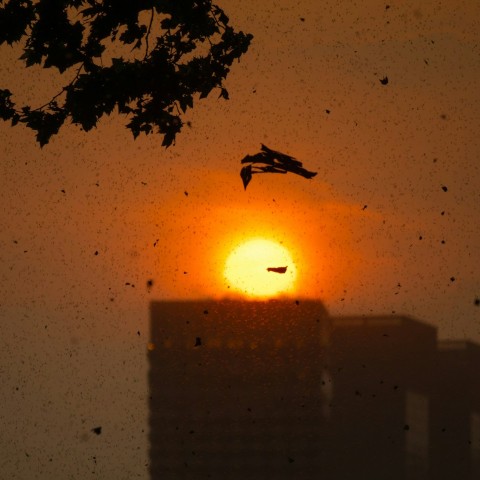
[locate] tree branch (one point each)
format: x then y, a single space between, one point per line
64 89
148 33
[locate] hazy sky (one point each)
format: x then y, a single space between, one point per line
374 232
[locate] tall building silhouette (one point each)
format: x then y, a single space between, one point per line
382 382
455 432
280 389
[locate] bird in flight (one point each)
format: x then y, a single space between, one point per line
271 161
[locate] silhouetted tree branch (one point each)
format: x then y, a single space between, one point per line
191 54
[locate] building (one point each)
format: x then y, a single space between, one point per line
280 389
381 369
236 391
455 430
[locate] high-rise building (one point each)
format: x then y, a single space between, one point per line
455 432
236 389
382 376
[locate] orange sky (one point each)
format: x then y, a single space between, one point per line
390 147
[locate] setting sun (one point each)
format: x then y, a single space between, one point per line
260 268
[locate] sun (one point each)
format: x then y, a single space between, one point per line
260 268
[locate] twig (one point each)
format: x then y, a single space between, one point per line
215 18
148 33
63 89
178 110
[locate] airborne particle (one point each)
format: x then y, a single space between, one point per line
277 269
384 80
444 188
198 342
97 430
149 284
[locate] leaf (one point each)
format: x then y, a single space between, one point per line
271 161
15 18
7 110
246 174
277 269
224 94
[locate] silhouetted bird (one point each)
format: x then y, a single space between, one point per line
273 162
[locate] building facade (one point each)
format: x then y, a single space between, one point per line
280 389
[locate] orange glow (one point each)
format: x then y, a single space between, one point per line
247 269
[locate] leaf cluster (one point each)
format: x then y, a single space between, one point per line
175 51
271 161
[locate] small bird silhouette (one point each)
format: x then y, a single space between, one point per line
273 162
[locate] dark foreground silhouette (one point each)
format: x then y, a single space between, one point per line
271 161
281 390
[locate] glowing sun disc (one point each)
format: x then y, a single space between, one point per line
247 269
